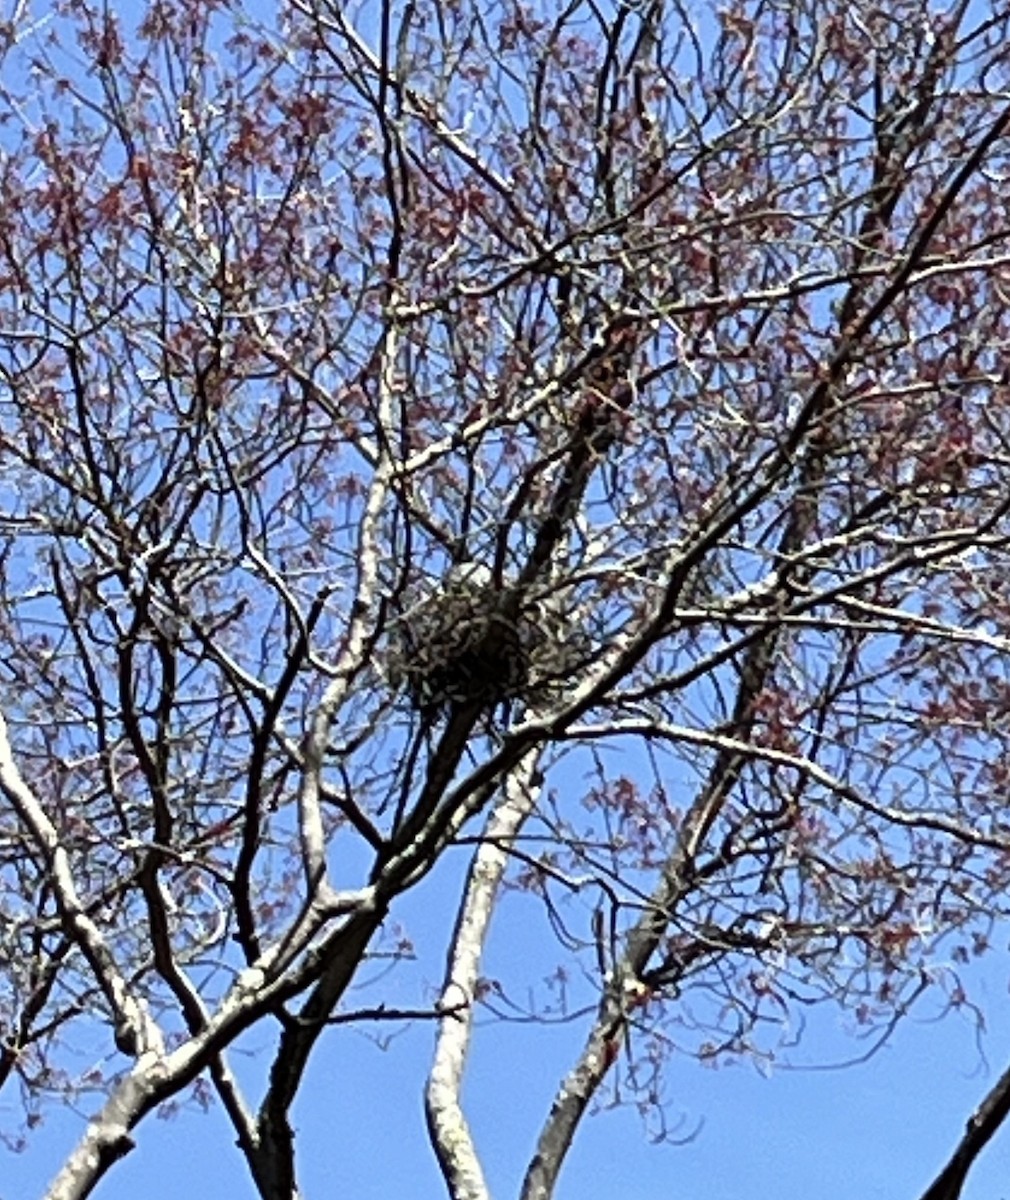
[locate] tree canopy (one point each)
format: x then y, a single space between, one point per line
573 435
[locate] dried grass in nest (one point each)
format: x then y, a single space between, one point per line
467 641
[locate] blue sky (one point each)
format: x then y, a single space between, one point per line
877 1130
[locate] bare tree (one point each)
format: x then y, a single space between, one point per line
578 432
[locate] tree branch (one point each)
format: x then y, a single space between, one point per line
447 1124
981 1127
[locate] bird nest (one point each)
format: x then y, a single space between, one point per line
464 640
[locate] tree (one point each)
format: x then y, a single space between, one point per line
579 433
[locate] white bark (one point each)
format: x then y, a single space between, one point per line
310 818
447 1123
106 1139
131 1015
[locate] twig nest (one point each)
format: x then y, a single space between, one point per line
464 640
